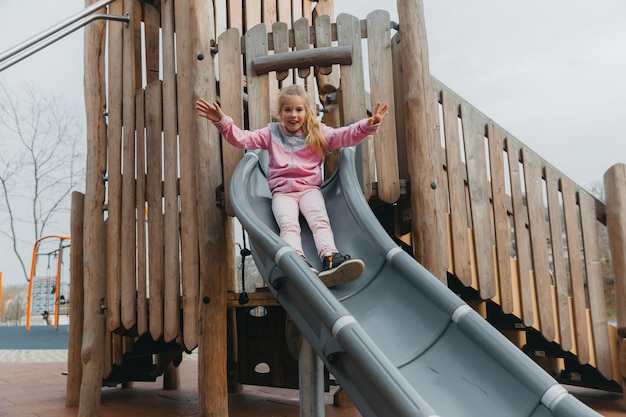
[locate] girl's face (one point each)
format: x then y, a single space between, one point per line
293 114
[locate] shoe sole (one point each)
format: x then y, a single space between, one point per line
346 272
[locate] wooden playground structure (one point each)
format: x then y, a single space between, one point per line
153 247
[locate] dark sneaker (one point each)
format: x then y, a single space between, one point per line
340 269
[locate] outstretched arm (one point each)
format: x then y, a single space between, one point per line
208 110
378 115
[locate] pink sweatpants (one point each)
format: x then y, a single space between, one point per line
287 208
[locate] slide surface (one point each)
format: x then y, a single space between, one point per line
397 340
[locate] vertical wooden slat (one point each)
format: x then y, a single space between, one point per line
399 68
296 9
456 190
171 249
221 16
501 220
284 11
188 168
140 198
230 68
476 164
127 215
595 285
215 228
615 192
258 86
381 87
280 35
94 248
520 215
77 308
353 87
114 169
538 241
302 41
152 19
558 259
253 13
154 114
235 15
572 230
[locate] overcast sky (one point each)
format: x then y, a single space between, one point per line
552 73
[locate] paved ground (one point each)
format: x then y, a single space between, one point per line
32 383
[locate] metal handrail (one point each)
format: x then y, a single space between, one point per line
25 49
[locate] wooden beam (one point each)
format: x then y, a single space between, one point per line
317 57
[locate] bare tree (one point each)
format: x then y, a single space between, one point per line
41 163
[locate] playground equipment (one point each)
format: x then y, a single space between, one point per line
467 199
48 287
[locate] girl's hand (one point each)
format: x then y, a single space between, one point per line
208 110
379 114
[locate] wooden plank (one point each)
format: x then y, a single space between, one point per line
579 296
501 218
595 285
140 198
258 86
215 230
476 164
615 193
302 41
399 88
128 217
296 9
538 240
171 223
280 32
381 87
270 12
323 39
230 66
94 248
77 306
522 240
152 19
456 190
235 14
353 89
284 11
188 168
221 16
253 13
114 171
154 114
558 259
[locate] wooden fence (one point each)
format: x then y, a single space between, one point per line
160 259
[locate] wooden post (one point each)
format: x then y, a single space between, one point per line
615 194
422 137
615 191
93 346
74 366
215 227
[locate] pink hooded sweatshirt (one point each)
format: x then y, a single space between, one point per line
293 166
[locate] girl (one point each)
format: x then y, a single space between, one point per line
296 147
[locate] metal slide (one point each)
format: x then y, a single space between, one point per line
397 340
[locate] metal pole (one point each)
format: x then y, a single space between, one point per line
21 53
52 30
311 378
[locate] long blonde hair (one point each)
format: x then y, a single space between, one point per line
312 127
